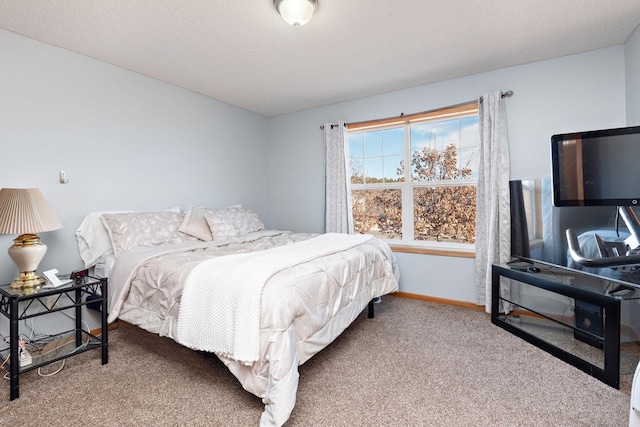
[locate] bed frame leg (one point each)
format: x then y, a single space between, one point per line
370 314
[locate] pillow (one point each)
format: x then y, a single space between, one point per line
194 224
221 230
135 229
244 220
93 238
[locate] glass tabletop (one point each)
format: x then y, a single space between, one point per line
587 281
8 291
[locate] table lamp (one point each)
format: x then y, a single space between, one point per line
25 211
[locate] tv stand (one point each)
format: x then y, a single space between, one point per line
540 312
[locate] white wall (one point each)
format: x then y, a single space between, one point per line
632 57
578 92
126 141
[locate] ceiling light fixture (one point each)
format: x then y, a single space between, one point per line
296 12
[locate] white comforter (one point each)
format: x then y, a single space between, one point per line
226 293
303 307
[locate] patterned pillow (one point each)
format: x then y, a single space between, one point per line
194 224
221 230
135 229
244 220
93 239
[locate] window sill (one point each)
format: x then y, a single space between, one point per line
432 251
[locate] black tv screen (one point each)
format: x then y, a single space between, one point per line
596 168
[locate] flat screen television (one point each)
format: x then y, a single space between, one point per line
596 168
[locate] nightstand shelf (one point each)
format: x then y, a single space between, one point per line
20 304
56 348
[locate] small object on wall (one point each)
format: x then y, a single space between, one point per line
63 177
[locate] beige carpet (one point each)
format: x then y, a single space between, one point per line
415 364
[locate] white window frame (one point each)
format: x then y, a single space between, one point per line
407 187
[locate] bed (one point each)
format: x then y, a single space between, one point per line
213 279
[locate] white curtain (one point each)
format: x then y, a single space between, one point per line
338 216
493 232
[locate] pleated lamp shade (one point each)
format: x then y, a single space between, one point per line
25 211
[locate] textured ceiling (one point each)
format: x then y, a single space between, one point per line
243 53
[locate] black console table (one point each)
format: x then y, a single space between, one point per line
572 315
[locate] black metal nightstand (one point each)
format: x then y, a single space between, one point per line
20 304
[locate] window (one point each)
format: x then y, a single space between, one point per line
427 162
532 190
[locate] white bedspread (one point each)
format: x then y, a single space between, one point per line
225 293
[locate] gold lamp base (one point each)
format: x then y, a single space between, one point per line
26 253
27 279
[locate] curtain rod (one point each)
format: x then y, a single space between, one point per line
332 125
502 94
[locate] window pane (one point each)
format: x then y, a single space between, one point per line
373 171
393 170
445 214
447 133
394 142
469 163
373 144
378 212
423 135
356 145
356 169
445 150
432 165
470 146
356 162
469 132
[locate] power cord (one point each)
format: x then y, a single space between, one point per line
83 345
29 341
6 359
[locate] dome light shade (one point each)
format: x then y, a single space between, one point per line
296 12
